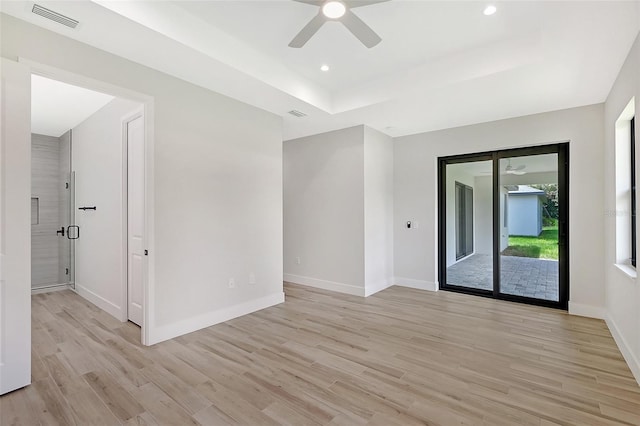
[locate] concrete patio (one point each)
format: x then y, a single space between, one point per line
520 276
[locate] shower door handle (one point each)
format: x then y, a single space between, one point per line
77 233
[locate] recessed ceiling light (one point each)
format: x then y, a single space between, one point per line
333 9
324 68
490 10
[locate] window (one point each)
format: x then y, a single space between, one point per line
625 195
633 191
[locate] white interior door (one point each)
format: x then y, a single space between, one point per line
15 226
136 229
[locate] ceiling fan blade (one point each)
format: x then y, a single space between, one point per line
313 2
308 31
360 3
358 28
518 173
520 167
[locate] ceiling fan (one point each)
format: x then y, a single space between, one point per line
334 10
510 170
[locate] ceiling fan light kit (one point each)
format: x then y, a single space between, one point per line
340 11
334 9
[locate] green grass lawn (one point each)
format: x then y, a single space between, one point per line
543 247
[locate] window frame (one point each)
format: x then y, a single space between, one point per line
633 193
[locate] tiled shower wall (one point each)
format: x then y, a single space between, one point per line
45 197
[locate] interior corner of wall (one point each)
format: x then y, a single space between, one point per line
417 284
584 310
632 359
373 288
169 331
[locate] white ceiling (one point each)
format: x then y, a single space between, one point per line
57 107
441 63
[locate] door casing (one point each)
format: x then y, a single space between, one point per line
15 226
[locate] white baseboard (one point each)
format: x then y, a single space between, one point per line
169 331
370 289
102 303
627 353
50 289
418 284
586 310
326 285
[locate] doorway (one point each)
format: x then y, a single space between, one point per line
516 245
88 196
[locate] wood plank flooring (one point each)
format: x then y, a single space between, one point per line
400 357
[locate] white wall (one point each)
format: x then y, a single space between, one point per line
524 215
324 210
415 192
378 210
97 158
218 186
338 211
622 287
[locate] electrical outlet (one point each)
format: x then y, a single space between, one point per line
298 260
252 278
232 283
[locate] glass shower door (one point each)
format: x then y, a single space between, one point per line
67 244
52 212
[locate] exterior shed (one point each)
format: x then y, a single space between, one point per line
525 211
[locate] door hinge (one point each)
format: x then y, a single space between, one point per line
146 252
66 271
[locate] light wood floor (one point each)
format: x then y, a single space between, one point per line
400 357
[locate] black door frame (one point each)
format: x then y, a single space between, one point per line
562 149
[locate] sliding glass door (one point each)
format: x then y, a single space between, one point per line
529 211
503 221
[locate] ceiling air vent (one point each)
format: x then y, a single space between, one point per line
297 113
54 16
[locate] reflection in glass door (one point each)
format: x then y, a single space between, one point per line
529 249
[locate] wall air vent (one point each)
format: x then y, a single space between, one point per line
54 16
297 113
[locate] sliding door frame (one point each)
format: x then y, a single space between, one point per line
562 150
